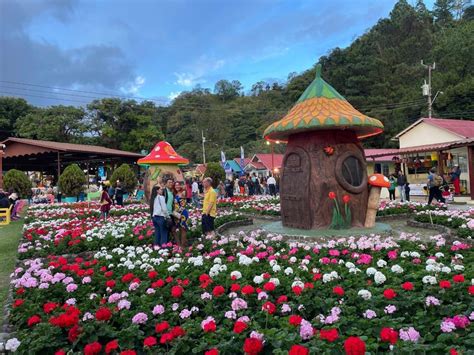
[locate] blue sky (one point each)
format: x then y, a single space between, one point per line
157 49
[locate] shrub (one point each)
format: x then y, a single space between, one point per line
72 180
126 176
18 181
216 172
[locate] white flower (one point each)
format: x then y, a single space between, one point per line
350 265
288 271
258 279
428 279
446 270
12 344
371 271
439 255
365 294
381 263
397 269
276 268
379 278
236 275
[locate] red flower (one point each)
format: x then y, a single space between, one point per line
18 303
269 307
150 341
407 286
210 327
295 320
33 320
253 346
458 278
389 335
73 333
128 352
212 352
161 327
453 351
346 199
329 334
166 338
470 289
92 348
218 291
269 286
354 346
338 290
177 331
103 314
298 350
239 327
235 287
445 284
297 290
110 283
111 346
60 352
158 283
177 291
152 274
282 299
248 290
389 293
128 277
109 274
332 195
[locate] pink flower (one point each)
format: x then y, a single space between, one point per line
410 334
306 330
140 318
447 326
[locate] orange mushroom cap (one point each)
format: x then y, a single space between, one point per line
379 180
162 153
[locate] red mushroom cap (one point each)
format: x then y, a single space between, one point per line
379 180
162 153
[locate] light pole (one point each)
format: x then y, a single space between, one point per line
203 147
426 87
2 153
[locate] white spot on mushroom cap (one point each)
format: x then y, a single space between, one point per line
157 149
373 178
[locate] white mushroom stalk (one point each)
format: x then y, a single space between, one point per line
376 182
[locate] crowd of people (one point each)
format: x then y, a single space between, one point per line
437 185
249 185
169 213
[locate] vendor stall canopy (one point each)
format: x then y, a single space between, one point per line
321 107
163 153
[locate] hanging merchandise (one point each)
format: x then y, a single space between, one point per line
434 156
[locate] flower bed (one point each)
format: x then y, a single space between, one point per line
250 293
461 221
391 208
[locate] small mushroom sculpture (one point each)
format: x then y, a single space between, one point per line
376 182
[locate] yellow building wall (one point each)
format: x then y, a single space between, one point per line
423 134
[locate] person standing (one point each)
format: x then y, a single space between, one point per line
392 188
189 191
456 179
434 183
159 216
195 191
182 223
271 182
401 182
111 193
209 208
119 193
105 203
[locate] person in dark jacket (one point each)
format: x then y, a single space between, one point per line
401 182
119 193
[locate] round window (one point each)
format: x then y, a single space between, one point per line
351 172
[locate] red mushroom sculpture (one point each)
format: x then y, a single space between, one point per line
163 163
376 182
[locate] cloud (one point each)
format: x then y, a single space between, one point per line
186 79
36 61
173 95
199 69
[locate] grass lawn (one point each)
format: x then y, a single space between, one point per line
9 238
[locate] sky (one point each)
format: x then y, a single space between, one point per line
71 51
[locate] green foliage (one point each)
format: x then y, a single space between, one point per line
11 108
216 172
72 181
18 181
126 176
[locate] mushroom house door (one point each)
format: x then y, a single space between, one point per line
294 189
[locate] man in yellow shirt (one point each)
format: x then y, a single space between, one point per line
209 207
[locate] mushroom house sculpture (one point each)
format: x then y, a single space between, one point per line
162 164
376 182
324 170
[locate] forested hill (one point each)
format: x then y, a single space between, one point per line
379 73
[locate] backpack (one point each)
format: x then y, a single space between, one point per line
437 180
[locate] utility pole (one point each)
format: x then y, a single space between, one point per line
427 87
203 147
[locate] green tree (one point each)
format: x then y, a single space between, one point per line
72 181
442 11
216 172
11 109
17 181
126 124
55 123
126 176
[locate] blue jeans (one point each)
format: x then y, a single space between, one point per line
161 232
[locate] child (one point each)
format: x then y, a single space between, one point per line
105 203
182 221
407 191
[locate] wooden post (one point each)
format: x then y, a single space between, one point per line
59 165
470 167
1 168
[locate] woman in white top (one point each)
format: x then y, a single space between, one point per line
159 216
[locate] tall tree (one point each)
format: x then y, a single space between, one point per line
11 109
442 11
